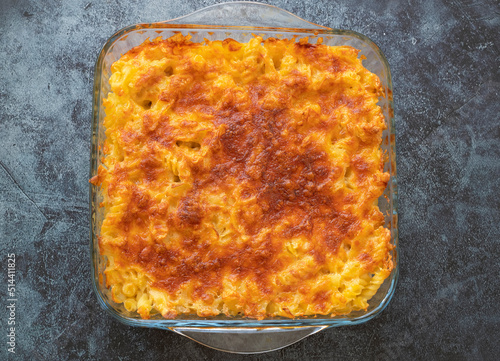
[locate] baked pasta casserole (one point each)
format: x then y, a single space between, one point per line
242 179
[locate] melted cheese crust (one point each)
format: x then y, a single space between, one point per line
242 179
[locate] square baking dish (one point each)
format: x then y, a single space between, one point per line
241 21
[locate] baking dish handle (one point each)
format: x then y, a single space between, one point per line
247 340
245 13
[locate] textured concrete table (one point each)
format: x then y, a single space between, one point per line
445 63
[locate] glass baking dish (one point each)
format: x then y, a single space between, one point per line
241 21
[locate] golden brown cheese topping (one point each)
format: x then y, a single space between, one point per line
242 179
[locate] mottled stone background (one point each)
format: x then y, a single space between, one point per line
445 64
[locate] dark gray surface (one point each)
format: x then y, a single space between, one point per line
445 61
